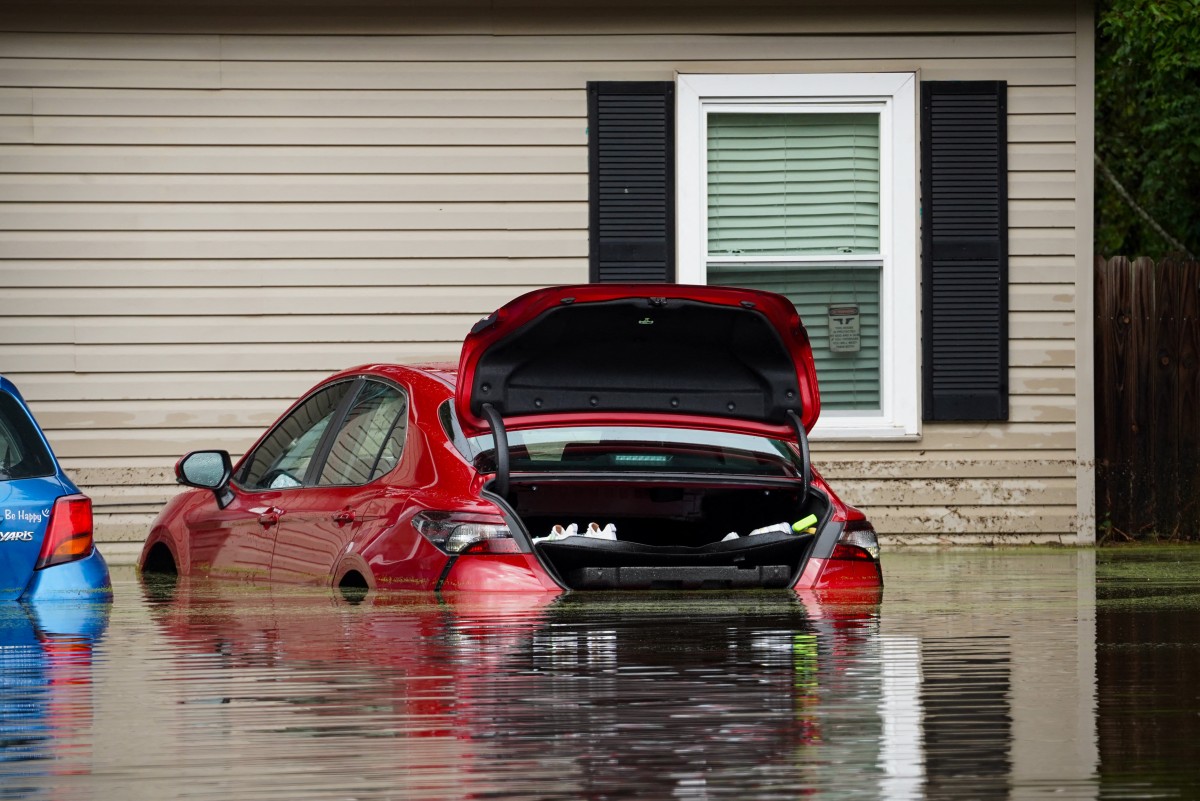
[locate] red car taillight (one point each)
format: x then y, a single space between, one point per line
858 542
69 532
466 532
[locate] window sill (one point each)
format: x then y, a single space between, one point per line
845 431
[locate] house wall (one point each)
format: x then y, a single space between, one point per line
205 208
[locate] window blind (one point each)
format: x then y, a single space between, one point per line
793 183
848 380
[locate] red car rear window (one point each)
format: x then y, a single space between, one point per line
629 449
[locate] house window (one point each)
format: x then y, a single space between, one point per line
806 185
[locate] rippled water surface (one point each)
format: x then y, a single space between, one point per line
980 674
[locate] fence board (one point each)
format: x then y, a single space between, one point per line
1148 388
1187 398
1165 509
1139 373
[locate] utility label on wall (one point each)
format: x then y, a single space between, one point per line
843 329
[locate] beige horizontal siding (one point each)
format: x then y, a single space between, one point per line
381 132
234 159
164 359
354 188
1041 269
349 103
254 414
1040 157
941 439
199 219
963 500
282 76
1042 380
177 330
354 217
303 131
395 104
340 217
1059 491
846 465
1044 325
176 273
255 245
175 386
526 49
224 301
989 523
1041 297
196 160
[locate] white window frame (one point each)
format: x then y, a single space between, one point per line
893 97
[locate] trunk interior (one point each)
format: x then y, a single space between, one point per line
668 536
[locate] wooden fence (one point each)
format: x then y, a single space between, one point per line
1148 398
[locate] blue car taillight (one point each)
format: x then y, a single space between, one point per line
69 532
858 542
466 532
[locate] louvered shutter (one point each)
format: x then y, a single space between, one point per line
964 187
631 181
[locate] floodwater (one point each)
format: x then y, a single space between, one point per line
977 675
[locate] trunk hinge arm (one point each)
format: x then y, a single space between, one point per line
805 457
500 485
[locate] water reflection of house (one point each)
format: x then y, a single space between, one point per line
989 688
210 205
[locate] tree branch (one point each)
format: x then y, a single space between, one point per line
1133 204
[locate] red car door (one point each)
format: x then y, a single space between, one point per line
313 533
239 540
340 505
235 542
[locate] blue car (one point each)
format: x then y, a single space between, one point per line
46 547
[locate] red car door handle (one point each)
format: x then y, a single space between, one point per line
343 517
269 518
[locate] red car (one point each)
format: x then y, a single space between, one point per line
592 437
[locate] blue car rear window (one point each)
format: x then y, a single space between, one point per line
22 453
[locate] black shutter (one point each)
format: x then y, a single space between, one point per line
631 181
964 220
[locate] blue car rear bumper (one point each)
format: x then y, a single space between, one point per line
82 580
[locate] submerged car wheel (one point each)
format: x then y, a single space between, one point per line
353 587
160 560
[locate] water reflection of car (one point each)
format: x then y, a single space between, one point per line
585 695
674 418
46 546
46 705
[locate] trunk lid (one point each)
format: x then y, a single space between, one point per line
25 507
654 354
29 484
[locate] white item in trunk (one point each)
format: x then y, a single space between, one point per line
558 532
609 532
785 528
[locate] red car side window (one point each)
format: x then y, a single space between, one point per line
281 460
371 439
